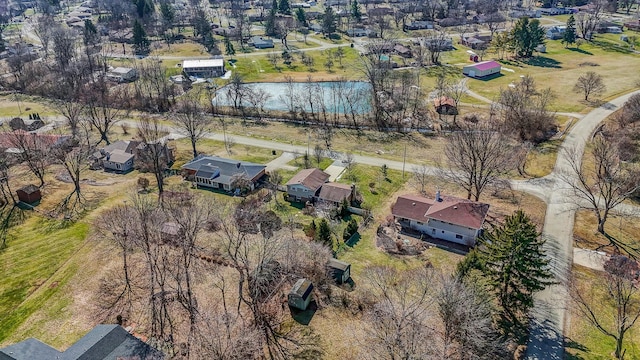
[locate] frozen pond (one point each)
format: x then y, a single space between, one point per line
332 96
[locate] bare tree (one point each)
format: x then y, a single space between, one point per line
43 28
476 155
153 154
64 46
610 303
603 184
465 328
33 151
421 177
101 102
75 161
116 225
398 321
189 117
523 111
590 83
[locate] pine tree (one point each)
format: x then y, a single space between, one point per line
283 7
328 21
569 36
356 13
270 23
350 230
526 36
516 267
228 46
301 16
140 40
323 233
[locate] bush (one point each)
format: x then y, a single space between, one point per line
350 230
143 183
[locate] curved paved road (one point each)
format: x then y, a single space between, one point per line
547 341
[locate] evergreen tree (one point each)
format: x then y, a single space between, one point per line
228 46
144 7
356 13
323 233
140 40
301 17
526 36
270 23
328 22
90 33
516 267
283 7
350 230
569 36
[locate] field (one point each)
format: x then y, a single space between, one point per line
559 68
584 341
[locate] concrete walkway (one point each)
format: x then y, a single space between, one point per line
282 162
335 170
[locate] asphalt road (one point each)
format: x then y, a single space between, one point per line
547 329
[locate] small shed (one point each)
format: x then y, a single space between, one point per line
300 294
445 106
29 194
482 69
340 270
171 232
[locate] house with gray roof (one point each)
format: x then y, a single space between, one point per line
305 184
219 173
104 342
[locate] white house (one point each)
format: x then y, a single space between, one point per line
122 74
208 68
447 218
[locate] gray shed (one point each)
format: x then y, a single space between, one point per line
300 294
340 270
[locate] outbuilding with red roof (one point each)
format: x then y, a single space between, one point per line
482 69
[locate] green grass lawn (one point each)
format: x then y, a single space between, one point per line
258 68
585 341
240 152
299 162
558 69
365 176
35 268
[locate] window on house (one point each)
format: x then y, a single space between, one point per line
459 236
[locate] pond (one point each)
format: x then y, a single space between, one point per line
334 96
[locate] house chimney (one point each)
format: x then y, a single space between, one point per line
438 198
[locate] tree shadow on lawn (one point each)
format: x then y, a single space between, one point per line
542 61
581 51
609 46
570 344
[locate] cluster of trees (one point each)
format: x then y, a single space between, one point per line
395 96
522 40
479 152
477 313
174 250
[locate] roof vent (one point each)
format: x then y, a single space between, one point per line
455 207
238 165
413 204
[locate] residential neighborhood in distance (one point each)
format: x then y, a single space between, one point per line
324 179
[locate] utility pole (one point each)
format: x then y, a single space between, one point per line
404 160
